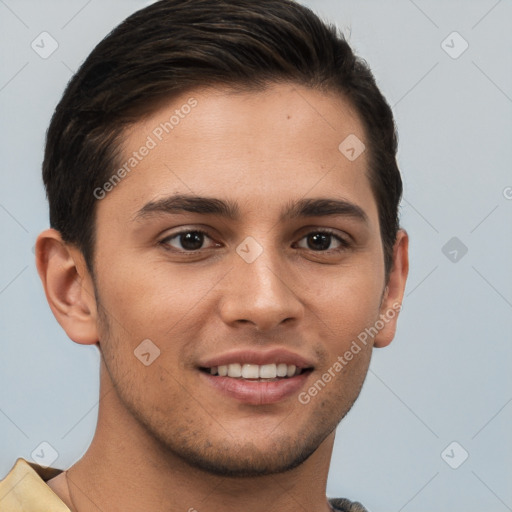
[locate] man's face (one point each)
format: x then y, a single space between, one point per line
259 288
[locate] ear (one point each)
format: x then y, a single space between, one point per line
68 286
394 291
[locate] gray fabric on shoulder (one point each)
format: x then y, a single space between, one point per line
344 505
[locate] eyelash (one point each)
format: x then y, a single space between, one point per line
344 243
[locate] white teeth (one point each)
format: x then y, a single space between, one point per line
234 370
268 371
255 371
250 371
282 370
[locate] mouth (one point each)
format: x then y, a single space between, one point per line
272 372
256 378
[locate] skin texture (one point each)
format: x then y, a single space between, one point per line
165 439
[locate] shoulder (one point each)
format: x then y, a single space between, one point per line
344 505
24 489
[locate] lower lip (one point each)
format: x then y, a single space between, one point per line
257 392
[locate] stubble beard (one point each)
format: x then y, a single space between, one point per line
229 457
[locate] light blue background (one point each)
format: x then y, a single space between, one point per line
446 377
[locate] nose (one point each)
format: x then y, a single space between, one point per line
261 293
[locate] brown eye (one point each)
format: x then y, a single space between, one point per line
319 241
191 240
322 241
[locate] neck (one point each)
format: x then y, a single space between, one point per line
126 469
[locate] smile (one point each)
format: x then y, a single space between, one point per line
267 372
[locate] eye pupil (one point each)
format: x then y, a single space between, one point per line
321 241
192 240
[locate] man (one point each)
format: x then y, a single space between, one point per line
223 195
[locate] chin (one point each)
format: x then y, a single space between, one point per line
230 457
248 461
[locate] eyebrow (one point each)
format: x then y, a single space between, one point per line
315 207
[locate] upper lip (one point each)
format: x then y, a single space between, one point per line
277 355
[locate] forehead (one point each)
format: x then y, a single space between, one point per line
263 147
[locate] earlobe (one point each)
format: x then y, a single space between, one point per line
68 286
394 293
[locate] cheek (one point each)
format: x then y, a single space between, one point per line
150 299
164 306
347 301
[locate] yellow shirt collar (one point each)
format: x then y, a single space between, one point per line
24 489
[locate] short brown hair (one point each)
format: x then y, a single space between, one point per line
175 45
